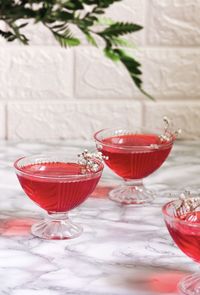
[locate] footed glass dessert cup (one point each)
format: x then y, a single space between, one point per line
133 154
58 183
182 218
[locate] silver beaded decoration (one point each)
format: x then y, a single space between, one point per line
168 134
188 203
88 160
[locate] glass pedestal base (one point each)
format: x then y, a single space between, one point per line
190 285
132 192
57 226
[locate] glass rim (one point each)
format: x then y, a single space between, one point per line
174 218
88 174
136 147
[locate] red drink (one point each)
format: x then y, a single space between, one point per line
135 156
183 224
57 186
186 233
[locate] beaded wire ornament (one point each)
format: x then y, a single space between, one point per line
169 133
187 204
90 161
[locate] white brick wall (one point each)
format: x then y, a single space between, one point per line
35 73
65 120
52 93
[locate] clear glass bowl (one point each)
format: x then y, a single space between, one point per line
184 228
133 154
56 183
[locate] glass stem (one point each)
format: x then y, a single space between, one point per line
134 182
56 226
57 216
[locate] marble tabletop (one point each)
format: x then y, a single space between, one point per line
122 251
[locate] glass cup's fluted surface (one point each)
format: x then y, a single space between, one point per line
132 155
57 183
185 231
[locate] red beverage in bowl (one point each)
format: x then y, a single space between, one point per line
57 184
52 187
182 218
185 231
133 154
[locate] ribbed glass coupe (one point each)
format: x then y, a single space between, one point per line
133 154
182 218
58 183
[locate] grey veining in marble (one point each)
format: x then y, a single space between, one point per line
123 250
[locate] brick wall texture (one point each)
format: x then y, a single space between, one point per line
48 93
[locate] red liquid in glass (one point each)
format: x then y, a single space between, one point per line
131 157
54 194
187 236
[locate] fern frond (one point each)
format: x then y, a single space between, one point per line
119 29
90 39
63 35
100 3
131 65
122 42
109 52
9 36
73 5
66 40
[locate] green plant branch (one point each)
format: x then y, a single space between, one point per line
58 15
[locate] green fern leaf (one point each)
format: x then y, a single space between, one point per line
73 5
122 42
66 41
132 66
111 54
9 36
63 35
105 21
91 39
119 29
100 3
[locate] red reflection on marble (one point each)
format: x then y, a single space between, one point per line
16 227
165 282
101 191
160 282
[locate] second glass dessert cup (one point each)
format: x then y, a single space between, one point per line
133 154
58 183
182 218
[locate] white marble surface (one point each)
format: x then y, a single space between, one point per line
123 250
